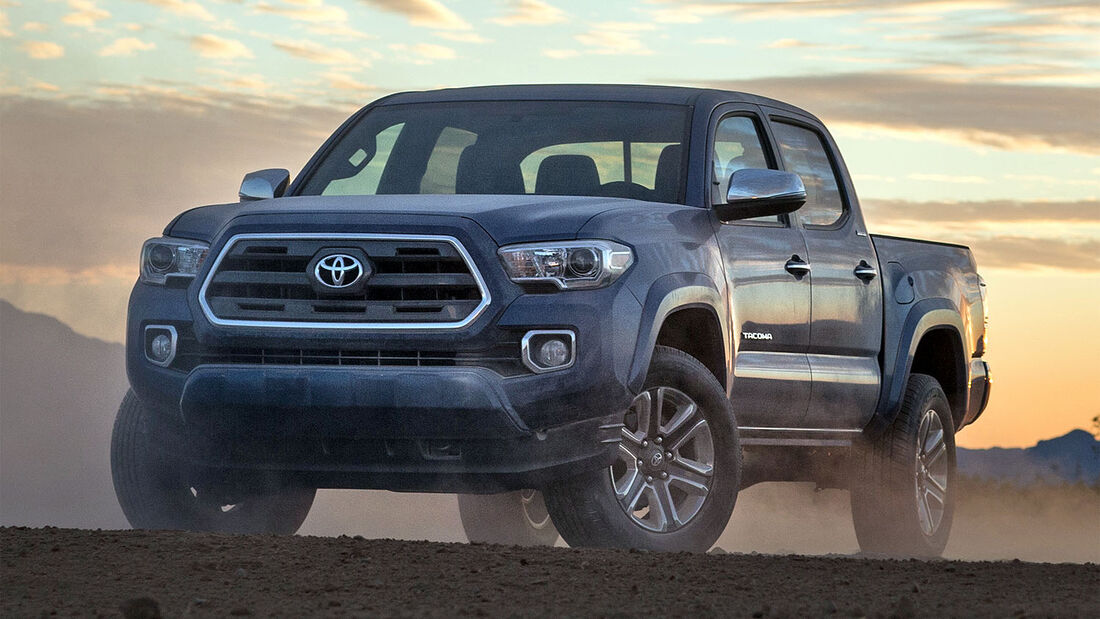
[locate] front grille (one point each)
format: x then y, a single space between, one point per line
503 358
267 280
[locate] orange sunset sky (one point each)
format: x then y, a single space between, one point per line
975 122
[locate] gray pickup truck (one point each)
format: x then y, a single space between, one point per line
594 310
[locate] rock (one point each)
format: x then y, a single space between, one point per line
240 611
717 550
241 572
140 608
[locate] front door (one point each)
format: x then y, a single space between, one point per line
768 287
846 291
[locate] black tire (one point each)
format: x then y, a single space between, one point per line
587 508
511 518
157 492
895 504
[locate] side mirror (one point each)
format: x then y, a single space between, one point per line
756 193
264 184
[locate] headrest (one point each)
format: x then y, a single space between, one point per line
480 170
568 175
666 184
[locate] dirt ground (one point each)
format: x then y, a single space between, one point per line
68 572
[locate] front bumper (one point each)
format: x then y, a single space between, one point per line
451 429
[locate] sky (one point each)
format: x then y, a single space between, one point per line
970 121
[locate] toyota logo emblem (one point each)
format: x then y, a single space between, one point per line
338 271
656 460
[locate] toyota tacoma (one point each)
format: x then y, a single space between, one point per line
593 311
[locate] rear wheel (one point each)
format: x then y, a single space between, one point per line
513 518
903 498
675 480
156 491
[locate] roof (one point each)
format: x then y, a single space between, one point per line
677 95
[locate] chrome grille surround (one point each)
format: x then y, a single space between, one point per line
479 281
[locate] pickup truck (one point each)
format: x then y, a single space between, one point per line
593 311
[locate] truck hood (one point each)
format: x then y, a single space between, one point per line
508 219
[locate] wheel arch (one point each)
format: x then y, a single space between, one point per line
683 311
931 343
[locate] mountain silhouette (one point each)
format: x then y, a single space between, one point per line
1073 457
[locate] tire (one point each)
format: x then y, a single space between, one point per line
903 497
511 518
156 492
627 506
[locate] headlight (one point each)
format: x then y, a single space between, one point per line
567 264
163 258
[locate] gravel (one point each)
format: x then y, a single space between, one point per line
69 572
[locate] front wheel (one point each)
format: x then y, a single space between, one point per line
511 518
157 492
903 497
677 472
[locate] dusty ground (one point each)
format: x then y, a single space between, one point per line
75 572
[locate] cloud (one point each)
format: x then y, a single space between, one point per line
423 53
315 52
44 86
425 13
183 8
950 178
5 26
1003 233
313 11
462 37
530 13
85 14
93 207
616 38
126 46
981 212
42 50
35 26
342 81
213 46
1003 116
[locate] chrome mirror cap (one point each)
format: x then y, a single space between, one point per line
264 184
755 192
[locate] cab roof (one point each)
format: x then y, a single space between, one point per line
676 95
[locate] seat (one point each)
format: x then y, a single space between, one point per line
666 184
568 175
482 171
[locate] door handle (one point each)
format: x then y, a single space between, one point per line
797 266
865 271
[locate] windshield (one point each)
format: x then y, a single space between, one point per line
625 150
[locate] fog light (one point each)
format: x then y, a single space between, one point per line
161 348
160 344
553 353
545 351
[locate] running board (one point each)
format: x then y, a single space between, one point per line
797 437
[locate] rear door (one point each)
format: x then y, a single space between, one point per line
846 292
769 294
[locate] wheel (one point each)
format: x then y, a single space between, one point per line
513 518
903 497
678 469
157 492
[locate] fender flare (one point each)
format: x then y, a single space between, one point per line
672 292
926 316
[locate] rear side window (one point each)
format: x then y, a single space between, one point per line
804 152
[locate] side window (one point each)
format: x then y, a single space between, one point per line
365 173
737 145
804 152
442 169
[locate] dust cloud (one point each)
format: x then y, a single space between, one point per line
59 392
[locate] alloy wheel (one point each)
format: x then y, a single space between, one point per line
665 465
